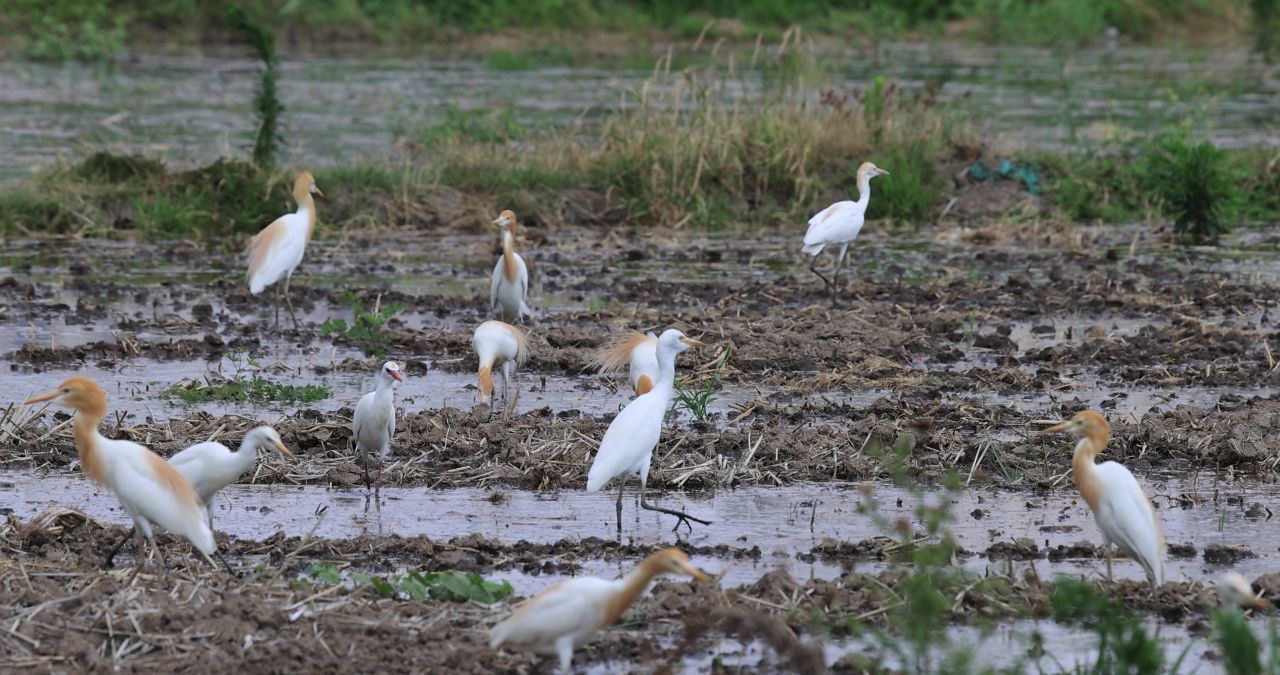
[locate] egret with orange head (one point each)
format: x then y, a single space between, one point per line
570 613
277 250
510 284
839 224
499 344
149 489
1120 507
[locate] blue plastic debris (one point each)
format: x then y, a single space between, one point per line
1009 170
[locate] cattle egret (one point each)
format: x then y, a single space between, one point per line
277 250
839 224
637 349
1236 591
149 489
510 276
570 613
1120 507
499 344
375 420
211 466
629 441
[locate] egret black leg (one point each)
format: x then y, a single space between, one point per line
622 484
218 555
683 517
288 302
813 267
835 284
111 555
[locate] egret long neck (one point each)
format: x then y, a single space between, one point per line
246 454
306 208
88 440
1083 471
509 269
385 387
864 190
633 585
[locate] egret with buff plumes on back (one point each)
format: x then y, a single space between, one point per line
839 224
499 344
277 250
510 285
639 351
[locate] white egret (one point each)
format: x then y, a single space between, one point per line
149 489
499 344
510 275
211 466
277 250
374 422
570 613
839 224
628 443
1120 507
638 350
1236 591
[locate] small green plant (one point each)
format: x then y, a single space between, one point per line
366 327
449 585
1195 185
1123 643
242 387
697 400
1241 650
267 138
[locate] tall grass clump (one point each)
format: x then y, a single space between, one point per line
1195 185
267 138
1123 644
1266 26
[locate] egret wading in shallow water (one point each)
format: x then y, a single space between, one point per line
277 250
211 466
1236 591
839 224
1120 507
638 350
570 613
510 276
374 422
629 441
149 489
499 344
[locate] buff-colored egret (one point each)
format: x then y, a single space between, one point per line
628 443
1120 507
570 613
839 224
277 250
510 283
499 344
374 422
149 488
211 466
638 350
1236 591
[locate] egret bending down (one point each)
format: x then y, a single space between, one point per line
510 276
629 441
570 613
499 344
212 466
1120 507
149 489
839 224
374 422
277 250
637 349
1236 591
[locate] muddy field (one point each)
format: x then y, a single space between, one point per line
953 345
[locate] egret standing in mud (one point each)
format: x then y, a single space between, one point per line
839 224
570 613
499 344
1236 591
277 250
510 275
629 441
149 489
1120 507
374 422
637 349
211 466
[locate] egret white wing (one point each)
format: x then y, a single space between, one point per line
837 223
630 436
276 250
146 485
201 465
570 607
1126 517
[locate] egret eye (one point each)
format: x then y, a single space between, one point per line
66 391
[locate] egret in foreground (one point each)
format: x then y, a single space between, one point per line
149 488
637 349
629 441
570 613
1236 591
211 466
499 344
374 422
510 275
1120 507
839 224
277 250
